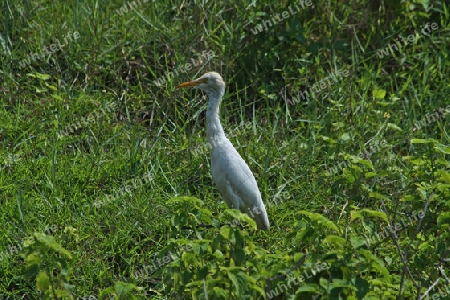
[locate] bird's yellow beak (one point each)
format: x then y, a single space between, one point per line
192 83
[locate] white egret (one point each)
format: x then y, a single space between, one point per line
232 176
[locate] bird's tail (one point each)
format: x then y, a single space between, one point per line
259 214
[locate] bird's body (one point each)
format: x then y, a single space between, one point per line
232 176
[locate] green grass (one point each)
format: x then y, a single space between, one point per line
88 208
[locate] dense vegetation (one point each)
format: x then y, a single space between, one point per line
340 108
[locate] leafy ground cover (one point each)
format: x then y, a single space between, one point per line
341 110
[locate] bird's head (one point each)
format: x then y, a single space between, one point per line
210 82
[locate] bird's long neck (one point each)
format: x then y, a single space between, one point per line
214 130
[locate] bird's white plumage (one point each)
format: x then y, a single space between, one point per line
232 176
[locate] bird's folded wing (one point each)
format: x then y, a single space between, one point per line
230 172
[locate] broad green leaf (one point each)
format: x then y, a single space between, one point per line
42 281
236 238
357 241
206 216
298 256
176 220
57 97
50 242
239 280
362 287
190 259
379 94
359 160
187 276
257 288
368 175
202 273
123 289
377 195
302 233
320 219
356 214
443 218
376 214
424 246
225 232
33 263
437 146
335 240
336 282
195 248
444 176
442 148
238 256
345 137
237 215
376 262
219 293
